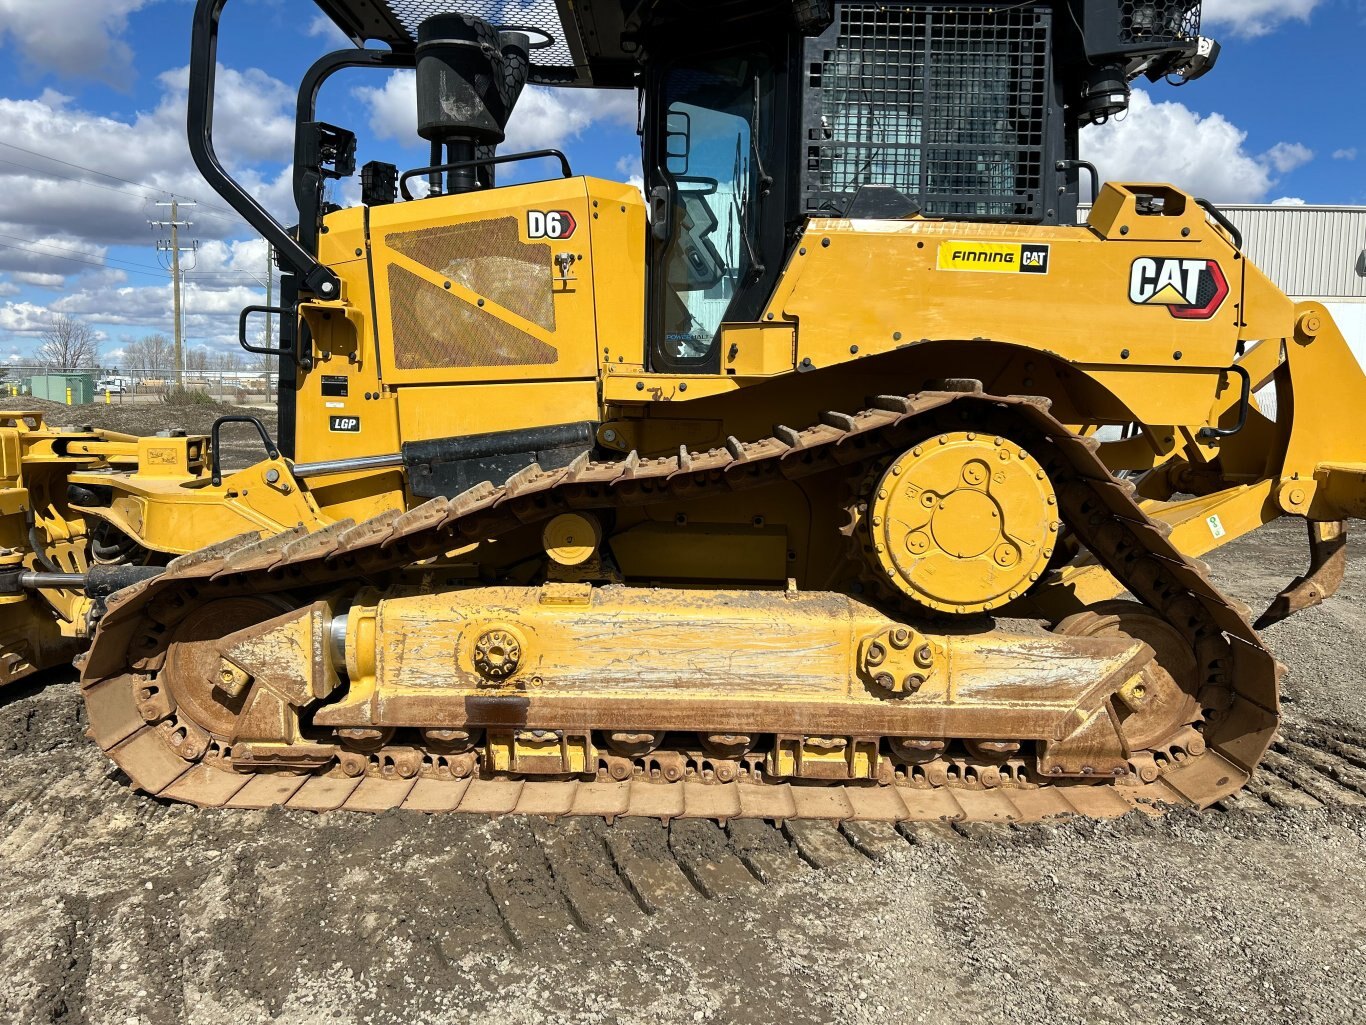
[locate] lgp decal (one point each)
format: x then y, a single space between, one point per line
1190 289
556 224
994 257
344 424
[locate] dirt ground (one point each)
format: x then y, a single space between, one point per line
122 910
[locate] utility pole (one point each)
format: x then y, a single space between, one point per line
175 249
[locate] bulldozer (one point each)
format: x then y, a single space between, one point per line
841 472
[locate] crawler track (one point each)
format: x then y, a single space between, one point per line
163 754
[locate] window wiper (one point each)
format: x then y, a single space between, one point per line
765 179
765 186
740 207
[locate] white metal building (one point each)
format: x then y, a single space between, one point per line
1313 252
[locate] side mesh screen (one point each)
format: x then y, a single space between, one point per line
947 104
433 328
490 259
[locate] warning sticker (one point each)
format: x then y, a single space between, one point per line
994 257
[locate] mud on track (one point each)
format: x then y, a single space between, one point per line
120 909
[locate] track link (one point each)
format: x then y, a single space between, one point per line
134 723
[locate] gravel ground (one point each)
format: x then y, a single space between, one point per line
121 910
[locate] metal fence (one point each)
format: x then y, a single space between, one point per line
243 387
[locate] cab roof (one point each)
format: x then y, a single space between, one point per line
574 43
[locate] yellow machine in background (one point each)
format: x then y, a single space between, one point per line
811 493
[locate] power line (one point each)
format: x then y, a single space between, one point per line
79 181
238 277
87 170
106 174
75 259
80 252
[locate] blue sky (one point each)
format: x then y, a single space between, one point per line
1279 119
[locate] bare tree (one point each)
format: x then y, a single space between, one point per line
197 360
153 354
227 362
69 344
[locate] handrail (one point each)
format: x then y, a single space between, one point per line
1223 221
215 459
1244 405
422 172
261 350
203 74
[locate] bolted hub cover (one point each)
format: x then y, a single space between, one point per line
963 523
497 654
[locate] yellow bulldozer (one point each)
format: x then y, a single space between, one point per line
841 475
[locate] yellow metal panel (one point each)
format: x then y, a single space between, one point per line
618 265
1119 214
758 350
1080 308
637 387
499 343
177 516
453 410
358 496
170 457
343 350
1151 402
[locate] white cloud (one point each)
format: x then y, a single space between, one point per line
1288 201
552 117
544 118
1203 154
629 167
393 107
1286 156
73 37
64 228
26 319
38 199
1250 18
38 280
220 279
1349 153
323 27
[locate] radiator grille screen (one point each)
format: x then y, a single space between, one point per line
434 328
947 104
